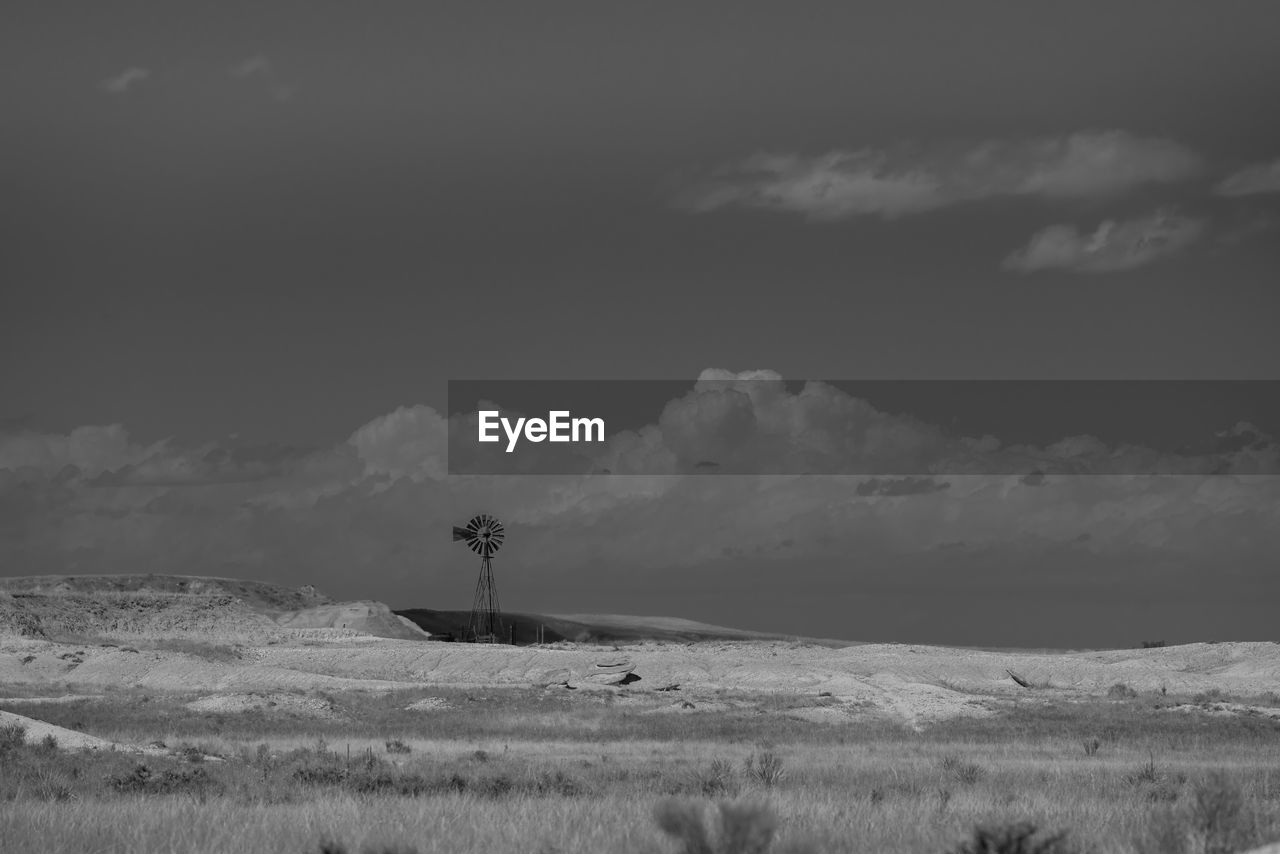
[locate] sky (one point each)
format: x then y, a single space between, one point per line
244 248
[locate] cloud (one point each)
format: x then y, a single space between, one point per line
1248 227
1252 180
91 450
406 443
896 487
369 516
261 68
1111 247
124 81
205 466
912 179
751 423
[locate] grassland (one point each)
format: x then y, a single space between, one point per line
541 770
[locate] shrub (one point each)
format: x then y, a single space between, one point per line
12 736
558 783
143 781
737 829
330 846
967 773
319 775
1091 746
765 768
494 787
395 745
716 779
1153 644
1214 820
1013 839
1217 814
1146 773
1121 691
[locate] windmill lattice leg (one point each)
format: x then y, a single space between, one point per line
486 618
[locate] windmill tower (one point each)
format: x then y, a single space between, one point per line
484 535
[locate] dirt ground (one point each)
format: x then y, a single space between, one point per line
916 684
249 645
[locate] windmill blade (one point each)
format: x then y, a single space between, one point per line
484 535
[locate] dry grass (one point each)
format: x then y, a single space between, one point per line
1159 781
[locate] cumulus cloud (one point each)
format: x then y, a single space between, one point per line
370 516
409 442
90 450
751 423
121 83
900 486
1112 246
261 68
1252 180
209 464
912 179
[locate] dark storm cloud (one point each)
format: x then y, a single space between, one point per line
1113 246
912 179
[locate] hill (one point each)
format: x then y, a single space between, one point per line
593 628
190 607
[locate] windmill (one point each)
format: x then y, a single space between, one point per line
484 535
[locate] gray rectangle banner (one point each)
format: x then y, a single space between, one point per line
863 427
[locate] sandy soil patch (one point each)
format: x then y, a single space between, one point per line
428 704
288 703
915 684
69 739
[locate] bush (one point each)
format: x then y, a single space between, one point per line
142 781
716 779
1013 839
765 768
1214 820
967 773
12 736
737 829
1217 815
1121 691
1146 773
395 745
558 783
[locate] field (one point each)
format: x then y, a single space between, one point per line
536 769
158 714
